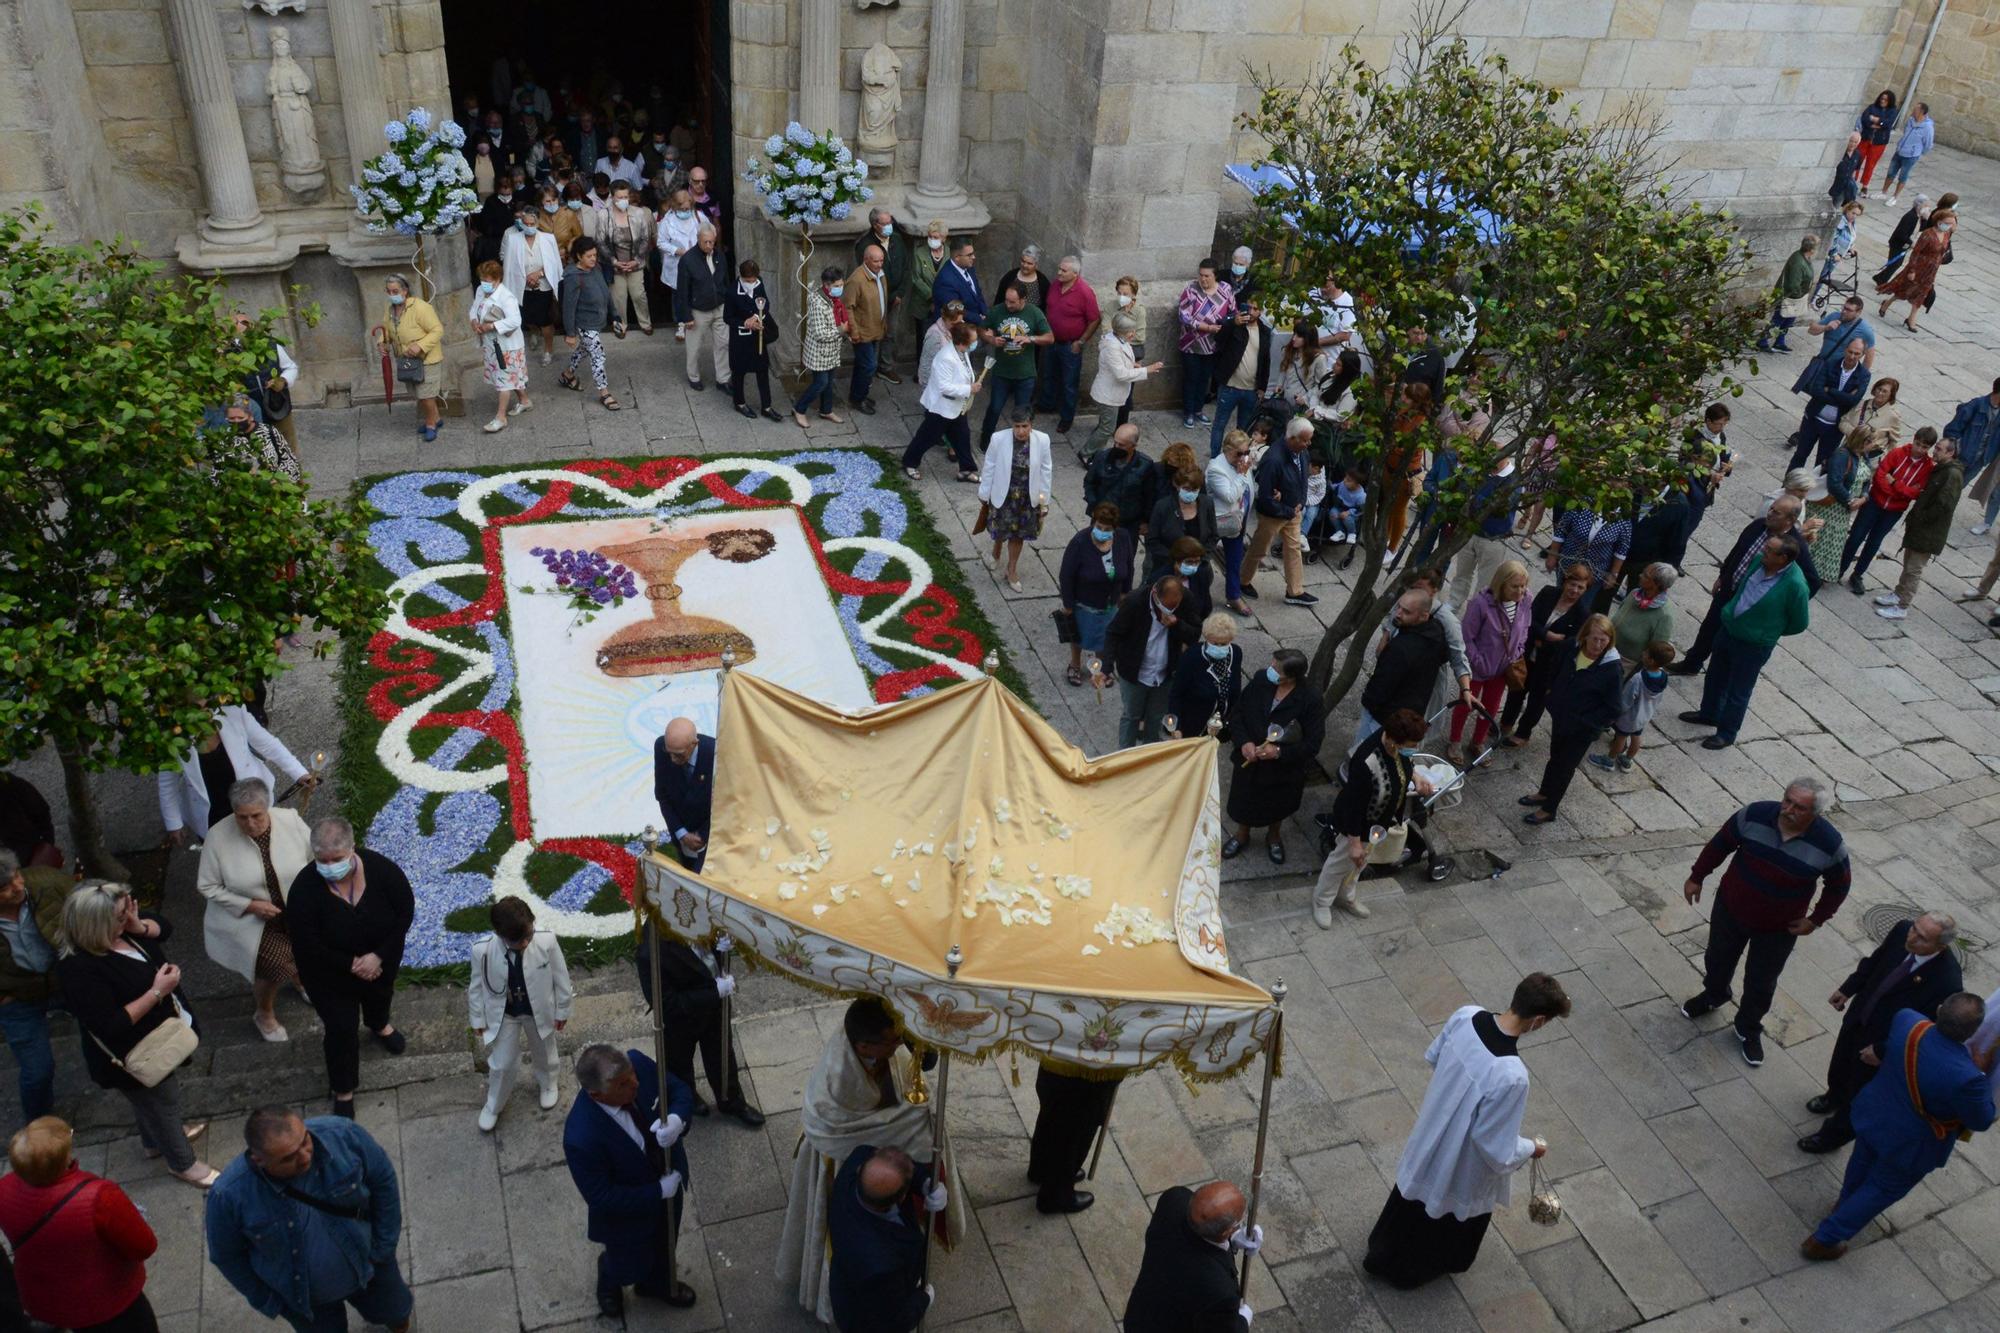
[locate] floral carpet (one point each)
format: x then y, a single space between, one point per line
499 728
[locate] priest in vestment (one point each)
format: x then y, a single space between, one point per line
1460 1159
854 1097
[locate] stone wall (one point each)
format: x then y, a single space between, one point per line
1962 78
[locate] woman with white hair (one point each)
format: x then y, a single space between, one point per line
1644 616
126 998
245 865
1207 680
349 912
1034 283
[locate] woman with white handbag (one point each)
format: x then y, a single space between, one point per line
496 318
137 1031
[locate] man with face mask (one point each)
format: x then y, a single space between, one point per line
625 236
617 165
506 150
328 1192
896 336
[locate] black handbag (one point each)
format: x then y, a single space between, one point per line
1066 630
409 370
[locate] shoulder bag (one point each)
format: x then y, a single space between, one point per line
160 1052
57 1207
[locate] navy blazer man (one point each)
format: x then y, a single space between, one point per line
875 1278
1824 388
1916 968
684 785
616 1161
958 284
1928 1093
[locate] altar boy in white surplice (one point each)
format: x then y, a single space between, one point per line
1460 1159
854 1097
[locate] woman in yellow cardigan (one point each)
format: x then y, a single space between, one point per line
411 329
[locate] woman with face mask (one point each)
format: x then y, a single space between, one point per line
349 911
1183 510
826 332
558 218
679 230
410 328
1016 479
496 317
1095 575
1916 281
1207 681
1274 735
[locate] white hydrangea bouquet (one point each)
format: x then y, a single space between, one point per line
422 185
809 178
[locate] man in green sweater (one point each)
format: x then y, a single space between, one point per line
1768 605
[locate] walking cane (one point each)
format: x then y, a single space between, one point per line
672 1228
1278 990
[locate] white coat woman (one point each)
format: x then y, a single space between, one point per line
246 863
496 318
947 396
196 796
1118 369
531 266
518 991
1015 482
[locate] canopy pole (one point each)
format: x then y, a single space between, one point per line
725 1014
653 946
1103 1133
953 960
1271 1041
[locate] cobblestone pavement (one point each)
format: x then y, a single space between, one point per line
1685 1196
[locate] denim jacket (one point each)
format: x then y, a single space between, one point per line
1976 427
254 1228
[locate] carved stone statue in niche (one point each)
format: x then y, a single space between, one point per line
275 7
299 163
858 4
881 99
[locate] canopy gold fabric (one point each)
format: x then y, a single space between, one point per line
854 850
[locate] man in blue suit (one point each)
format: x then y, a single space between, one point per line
617 1145
959 281
876 1214
684 784
1833 389
1929 1094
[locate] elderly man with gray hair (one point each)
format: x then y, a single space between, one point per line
1074 319
348 911
1913 968
1778 851
622 1143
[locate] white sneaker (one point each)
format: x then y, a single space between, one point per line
1972 594
495 426
488 1118
1887 599
547 357
1891 612
1981 529
549 1097
1323 917
1351 905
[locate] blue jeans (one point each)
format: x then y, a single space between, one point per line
1869 1187
1243 402
385 1300
1306 521
1817 440
1139 712
1197 369
1871 525
866 357
1344 520
1060 371
1000 394
1232 566
1899 173
25 1023
820 388
1732 677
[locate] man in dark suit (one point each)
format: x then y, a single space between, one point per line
1782 522
959 281
617 1146
1072 1110
1187 1277
693 1018
684 784
1931 1093
876 1213
1914 968
1832 389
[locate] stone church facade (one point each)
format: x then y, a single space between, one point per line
1095 127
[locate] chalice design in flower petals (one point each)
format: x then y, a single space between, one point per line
672 640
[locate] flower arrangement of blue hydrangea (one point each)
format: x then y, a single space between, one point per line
808 178
422 185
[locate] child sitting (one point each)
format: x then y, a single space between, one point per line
1638 701
1350 497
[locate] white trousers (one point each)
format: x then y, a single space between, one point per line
708 328
503 1059
1337 877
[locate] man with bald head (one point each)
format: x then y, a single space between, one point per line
1781 521
875 1219
1408 656
683 784
1187 1278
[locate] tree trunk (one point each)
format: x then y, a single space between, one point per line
91 853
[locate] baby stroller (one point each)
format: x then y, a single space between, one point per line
1421 843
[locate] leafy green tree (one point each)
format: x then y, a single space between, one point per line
1603 309
148 565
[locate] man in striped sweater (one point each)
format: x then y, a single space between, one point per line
1777 852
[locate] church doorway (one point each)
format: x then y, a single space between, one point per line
661 62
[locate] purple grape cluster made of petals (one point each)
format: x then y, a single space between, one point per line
588 576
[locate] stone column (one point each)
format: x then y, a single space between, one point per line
233 220
358 59
938 189
819 66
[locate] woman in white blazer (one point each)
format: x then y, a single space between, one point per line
947 395
197 795
1015 483
496 318
531 266
246 863
518 991
1111 389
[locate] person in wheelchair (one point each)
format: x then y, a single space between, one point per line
1383 791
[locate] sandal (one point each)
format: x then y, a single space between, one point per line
800 418
568 381
834 417
611 404
495 426
1074 675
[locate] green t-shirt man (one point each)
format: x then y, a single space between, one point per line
1011 362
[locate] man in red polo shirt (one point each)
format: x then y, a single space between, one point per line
1074 319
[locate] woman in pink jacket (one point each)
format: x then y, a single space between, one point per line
1496 637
